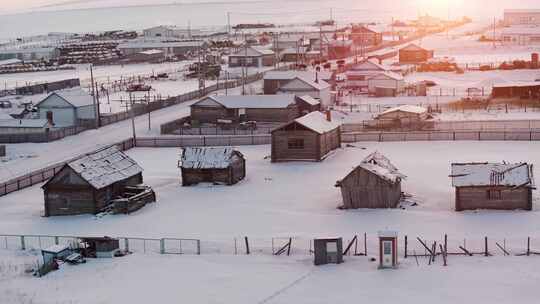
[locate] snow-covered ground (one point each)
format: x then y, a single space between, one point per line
267 279
274 197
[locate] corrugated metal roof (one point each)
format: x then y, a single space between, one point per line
105 167
206 157
492 174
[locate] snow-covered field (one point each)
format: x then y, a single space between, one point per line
274 197
267 279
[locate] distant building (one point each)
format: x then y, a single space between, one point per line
27 54
239 108
522 16
364 36
359 74
152 56
340 49
412 53
67 107
252 57
493 186
318 89
24 126
374 183
521 34
273 80
389 81
170 48
308 138
293 55
211 165
516 90
403 116
89 184
307 104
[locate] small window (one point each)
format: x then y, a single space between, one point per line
296 143
387 247
494 195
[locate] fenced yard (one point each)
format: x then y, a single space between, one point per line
441 136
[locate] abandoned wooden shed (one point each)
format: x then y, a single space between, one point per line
499 186
374 183
238 108
211 165
403 116
90 183
516 90
308 138
99 247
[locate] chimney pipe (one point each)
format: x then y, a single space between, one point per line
328 115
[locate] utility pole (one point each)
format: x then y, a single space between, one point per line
244 68
132 114
229 25
96 113
494 32
98 108
148 109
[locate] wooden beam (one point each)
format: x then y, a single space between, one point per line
465 250
501 248
425 246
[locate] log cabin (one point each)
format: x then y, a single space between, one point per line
308 138
375 183
211 165
90 183
499 186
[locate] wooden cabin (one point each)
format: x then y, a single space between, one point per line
364 36
274 80
238 108
403 116
307 104
90 183
211 165
412 53
375 183
498 186
308 138
252 57
525 90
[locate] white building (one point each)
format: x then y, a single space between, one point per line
169 48
522 16
65 108
300 86
521 34
386 80
359 74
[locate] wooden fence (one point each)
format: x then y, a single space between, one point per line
466 125
46 136
441 136
200 141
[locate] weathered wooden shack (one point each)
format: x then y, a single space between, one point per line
499 186
307 104
308 138
516 90
403 116
412 53
328 251
375 183
274 80
211 165
238 108
88 184
252 57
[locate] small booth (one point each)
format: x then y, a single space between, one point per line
55 252
388 256
328 251
99 247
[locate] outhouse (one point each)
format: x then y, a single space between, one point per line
99 247
328 251
388 257
55 252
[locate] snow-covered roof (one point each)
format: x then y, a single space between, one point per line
77 97
292 74
248 101
369 65
382 172
317 85
412 47
207 157
316 121
23 123
56 248
105 167
151 52
309 100
252 52
376 158
406 108
387 75
10 61
492 174
387 233
135 44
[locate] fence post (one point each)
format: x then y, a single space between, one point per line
126 244
56 242
199 247
23 246
162 246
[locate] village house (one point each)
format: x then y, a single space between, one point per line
309 138
501 186
67 107
152 56
364 36
211 165
293 55
359 74
386 84
316 88
273 80
521 17
90 183
252 57
403 116
307 104
24 126
516 90
169 48
412 53
240 108
374 183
